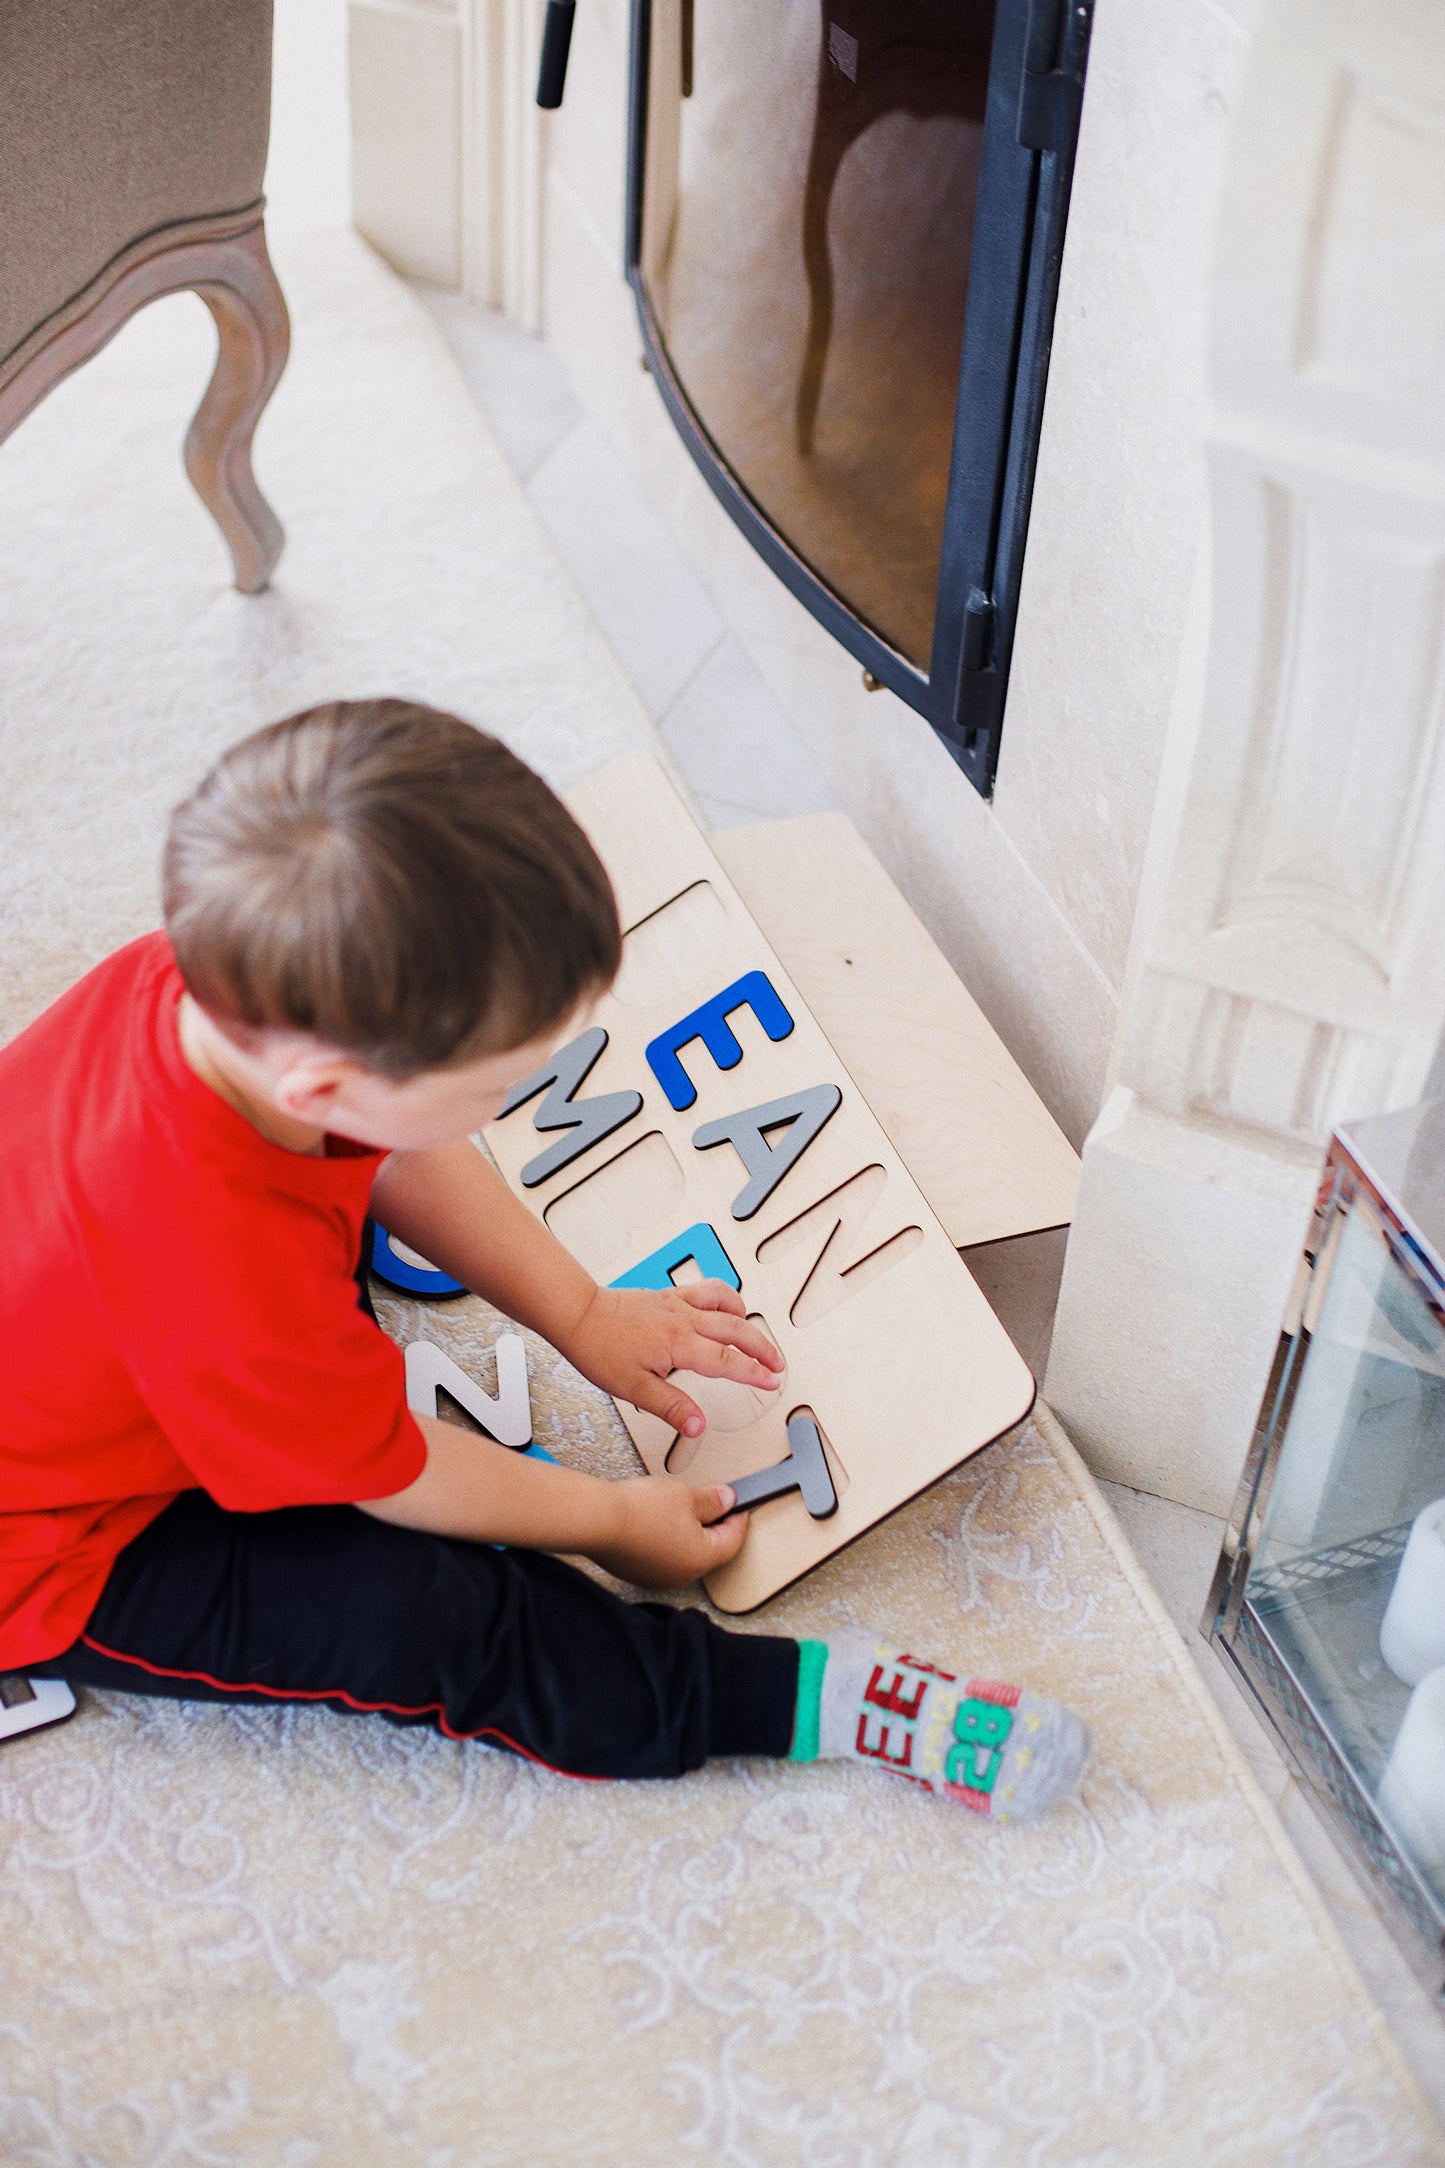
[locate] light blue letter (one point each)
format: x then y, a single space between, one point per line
699 1243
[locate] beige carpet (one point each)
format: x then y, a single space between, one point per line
284 1939
413 565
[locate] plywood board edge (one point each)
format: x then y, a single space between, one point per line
968 1226
746 1610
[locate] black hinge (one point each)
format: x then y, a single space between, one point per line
979 616
1052 87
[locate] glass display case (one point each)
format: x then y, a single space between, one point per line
1329 1598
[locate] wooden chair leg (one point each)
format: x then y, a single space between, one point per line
254 332
823 162
224 260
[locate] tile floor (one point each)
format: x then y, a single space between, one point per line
739 757
728 739
1178 1549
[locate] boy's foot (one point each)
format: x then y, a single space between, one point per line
993 1747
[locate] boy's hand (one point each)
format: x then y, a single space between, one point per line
669 1533
652 1529
629 1340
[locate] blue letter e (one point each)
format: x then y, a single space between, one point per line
755 991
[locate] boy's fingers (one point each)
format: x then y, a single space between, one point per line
712 1295
711 1501
724 1539
747 1338
710 1361
706 1359
671 1405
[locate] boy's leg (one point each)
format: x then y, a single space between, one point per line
325 1604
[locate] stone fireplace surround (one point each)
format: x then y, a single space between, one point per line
1204 906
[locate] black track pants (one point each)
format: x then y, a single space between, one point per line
325 1604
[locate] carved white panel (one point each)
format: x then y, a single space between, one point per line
503 144
1290 973
1195 1049
1309 867
1373 294
1329 312
1296 971
1345 735
1266 1065
1282 1070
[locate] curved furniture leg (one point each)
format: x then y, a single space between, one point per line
254 334
224 260
823 162
911 64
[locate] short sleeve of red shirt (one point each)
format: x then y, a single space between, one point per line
177 1306
239 1325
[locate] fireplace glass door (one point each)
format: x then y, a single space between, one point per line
844 264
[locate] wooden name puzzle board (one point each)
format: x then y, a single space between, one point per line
704 1127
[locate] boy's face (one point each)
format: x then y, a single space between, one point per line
335 1093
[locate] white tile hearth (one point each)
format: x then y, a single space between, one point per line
728 736
1177 1548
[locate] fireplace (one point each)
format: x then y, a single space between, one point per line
844 226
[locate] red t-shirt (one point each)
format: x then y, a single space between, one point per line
177 1306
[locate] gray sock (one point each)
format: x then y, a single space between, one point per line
996 1748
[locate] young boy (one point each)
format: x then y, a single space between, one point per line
377 922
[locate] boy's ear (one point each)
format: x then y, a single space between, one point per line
311 1086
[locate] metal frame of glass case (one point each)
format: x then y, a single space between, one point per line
1035 84
1253 1594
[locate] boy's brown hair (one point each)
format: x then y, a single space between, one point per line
390 879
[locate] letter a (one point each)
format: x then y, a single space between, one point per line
590 1119
805 1113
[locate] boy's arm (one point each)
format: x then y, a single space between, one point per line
652 1529
453 1207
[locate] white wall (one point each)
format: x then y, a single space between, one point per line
308 171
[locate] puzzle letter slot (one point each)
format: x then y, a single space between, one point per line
838 1246
827 1236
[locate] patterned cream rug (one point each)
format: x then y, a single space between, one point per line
279 1939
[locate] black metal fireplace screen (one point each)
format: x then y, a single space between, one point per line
844 225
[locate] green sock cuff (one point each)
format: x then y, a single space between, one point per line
812 1663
